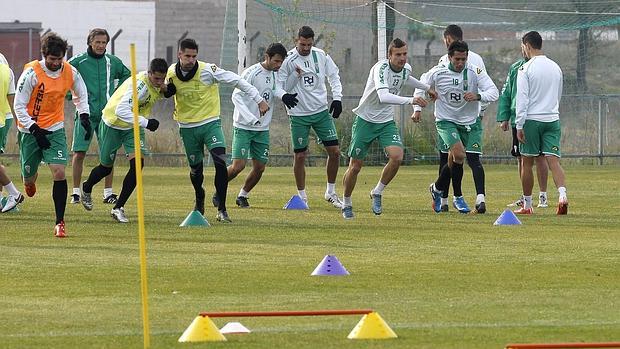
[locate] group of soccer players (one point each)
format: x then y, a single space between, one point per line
102 93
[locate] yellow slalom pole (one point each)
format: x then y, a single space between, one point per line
140 197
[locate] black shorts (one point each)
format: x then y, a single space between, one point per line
515 144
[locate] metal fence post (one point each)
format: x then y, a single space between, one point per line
600 130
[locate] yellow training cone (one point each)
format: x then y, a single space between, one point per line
202 329
372 326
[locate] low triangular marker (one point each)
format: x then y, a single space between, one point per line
234 328
193 219
202 329
507 218
330 265
296 203
372 326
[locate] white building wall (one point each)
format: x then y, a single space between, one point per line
73 19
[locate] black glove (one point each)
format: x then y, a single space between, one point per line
85 122
290 100
170 89
152 125
335 109
39 136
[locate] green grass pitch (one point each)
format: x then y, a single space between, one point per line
439 280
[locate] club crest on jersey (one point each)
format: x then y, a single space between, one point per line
475 145
454 135
478 70
242 151
27 168
300 140
112 156
192 158
357 151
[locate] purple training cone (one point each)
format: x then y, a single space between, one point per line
330 265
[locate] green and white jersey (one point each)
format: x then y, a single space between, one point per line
246 115
539 90
382 90
451 87
316 68
507 102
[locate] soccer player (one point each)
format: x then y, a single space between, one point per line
102 73
309 67
117 131
39 107
462 86
251 131
7 94
539 90
375 120
197 110
506 113
451 34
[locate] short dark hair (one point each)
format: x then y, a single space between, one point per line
52 44
276 49
534 39
94 32
460 46
158 65
305 32
188 44
454 31
396 43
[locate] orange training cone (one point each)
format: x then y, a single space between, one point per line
202 329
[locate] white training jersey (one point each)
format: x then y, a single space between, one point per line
539 90
316 68
246 114
371 108
451 86
26 83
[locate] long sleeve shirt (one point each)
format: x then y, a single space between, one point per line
539 90
316 68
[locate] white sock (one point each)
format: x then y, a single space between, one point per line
378 190
348 201
107 192
562 191
479 199
302 194
527 201
11 189
444 201
331 188
243 193
76 191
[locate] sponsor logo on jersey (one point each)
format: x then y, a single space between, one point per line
478 70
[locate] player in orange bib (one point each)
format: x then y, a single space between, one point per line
39 107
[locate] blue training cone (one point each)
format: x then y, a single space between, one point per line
194 219
507 218
296 203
